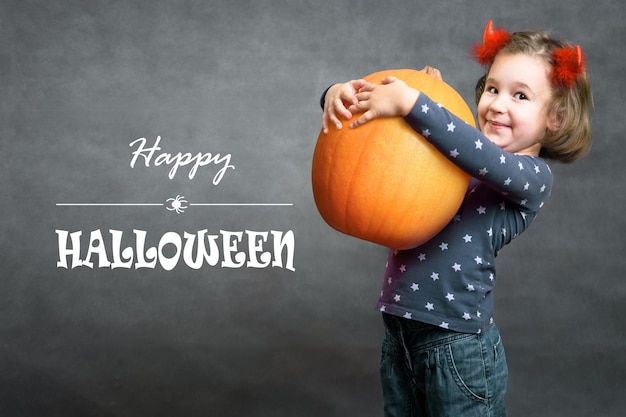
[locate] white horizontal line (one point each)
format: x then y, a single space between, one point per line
109 204
161 204
241 204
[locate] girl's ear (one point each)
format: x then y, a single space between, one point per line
555 120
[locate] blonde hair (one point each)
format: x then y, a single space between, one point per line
570 107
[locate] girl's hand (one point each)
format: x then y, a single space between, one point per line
339 98
391 98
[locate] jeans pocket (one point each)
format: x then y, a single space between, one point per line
466 363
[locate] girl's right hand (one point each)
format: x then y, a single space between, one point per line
338 99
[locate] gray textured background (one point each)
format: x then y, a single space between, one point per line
80 80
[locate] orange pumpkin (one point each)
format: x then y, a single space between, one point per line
383 182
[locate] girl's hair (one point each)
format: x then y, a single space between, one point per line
571 107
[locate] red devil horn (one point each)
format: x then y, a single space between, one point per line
493 41
489 32
568 63
576 60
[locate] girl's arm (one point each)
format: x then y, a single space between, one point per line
524 180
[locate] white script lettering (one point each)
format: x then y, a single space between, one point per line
179 160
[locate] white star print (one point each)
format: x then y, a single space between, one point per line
537 171
389 280
444 324
490 231
456 267
526 186
508 181
457 218
481 210
429 306
443 246
408 315
478 260
451 127
422 257
523 202
479 144
483 171
383 308
502 159
466 316
402 268
425 108
467 238
450 296
415 287
426 133
434 276
454 153
396 298
543 188
521 167
491 277
470 287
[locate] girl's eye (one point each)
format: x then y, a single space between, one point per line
492 90
520 96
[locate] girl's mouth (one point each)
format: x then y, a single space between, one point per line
497 125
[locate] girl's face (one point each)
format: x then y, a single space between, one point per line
513 110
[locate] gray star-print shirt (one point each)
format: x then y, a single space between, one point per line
449 280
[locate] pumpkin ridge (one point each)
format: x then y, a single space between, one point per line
388 227
326 175
328 178
350 222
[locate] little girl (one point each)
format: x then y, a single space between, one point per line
442 354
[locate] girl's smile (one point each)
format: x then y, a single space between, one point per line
496 125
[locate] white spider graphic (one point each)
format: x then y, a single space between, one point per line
177 204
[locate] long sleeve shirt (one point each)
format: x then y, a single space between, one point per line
449 280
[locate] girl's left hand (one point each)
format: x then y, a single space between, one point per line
391 98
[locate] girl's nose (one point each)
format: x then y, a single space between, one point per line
497 104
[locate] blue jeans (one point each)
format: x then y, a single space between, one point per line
432 372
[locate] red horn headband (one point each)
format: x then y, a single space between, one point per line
568 60
568 63
493 41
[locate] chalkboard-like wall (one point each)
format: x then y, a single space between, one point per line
132 130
